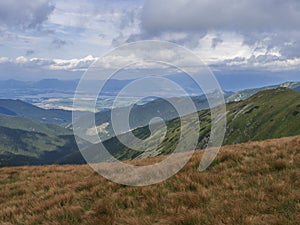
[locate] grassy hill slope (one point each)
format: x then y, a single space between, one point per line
141 114
268 114
25 142
20 147
23 109
21 123
252 183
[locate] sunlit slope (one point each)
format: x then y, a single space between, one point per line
251 183
268 114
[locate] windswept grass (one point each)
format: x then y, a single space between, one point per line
253 183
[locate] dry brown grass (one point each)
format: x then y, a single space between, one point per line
254 183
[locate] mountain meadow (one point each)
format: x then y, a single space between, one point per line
251 183
253 180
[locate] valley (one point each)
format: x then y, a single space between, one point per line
34 136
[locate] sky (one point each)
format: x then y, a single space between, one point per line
246 43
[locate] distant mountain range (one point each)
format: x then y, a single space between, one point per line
244 94
55 84
54 93
31 135
15 89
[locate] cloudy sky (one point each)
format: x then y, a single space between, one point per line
251 42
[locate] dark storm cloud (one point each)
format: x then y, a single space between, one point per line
237 15
287 42
58 43
189 39
216 41
24 14
29 52
273 24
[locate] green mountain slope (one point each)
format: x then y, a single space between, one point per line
20 147
140 115
268 114
23 109
25 142
21 123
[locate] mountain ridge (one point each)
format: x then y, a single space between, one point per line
258 118
244 94
268 114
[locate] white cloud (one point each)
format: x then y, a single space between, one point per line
51 64
4 59
73 64
231 47
271 63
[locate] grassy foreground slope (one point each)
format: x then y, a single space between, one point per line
252 183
